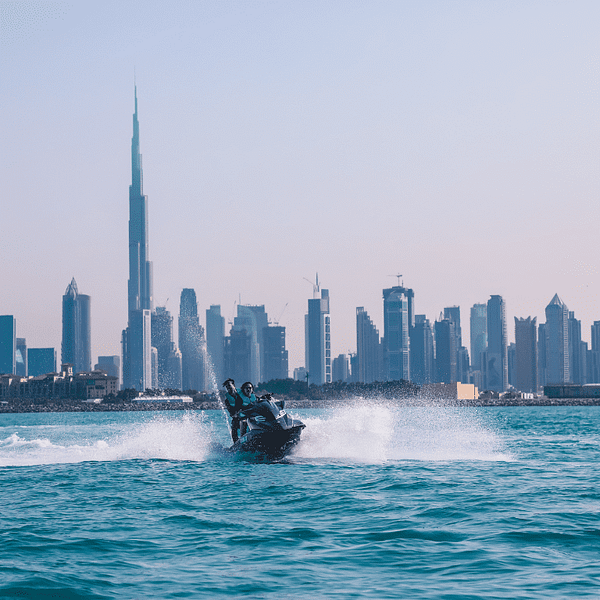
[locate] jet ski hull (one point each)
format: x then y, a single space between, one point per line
274 444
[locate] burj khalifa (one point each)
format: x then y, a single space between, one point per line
137 354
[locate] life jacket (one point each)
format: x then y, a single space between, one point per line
246 400
239 401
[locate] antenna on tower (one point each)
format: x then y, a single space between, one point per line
315 284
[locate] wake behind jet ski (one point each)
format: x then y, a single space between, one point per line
264 426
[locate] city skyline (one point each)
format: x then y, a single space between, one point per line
336 157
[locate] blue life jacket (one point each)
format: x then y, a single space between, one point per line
247 400
239 401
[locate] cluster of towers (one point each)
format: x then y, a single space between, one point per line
414 349
411 348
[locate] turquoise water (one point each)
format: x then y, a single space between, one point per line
375 503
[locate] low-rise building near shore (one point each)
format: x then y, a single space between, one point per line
63 385
450 391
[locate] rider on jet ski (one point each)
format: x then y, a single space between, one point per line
235 401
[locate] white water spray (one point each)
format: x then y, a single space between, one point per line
213 385
181 437
375 432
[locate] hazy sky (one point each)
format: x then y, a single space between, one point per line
454 142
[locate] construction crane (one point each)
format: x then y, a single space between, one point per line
398 275
276 321
315 285
230 320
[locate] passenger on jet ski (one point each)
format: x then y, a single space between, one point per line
235 401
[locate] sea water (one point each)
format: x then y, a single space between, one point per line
376 502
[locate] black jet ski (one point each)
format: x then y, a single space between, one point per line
270 430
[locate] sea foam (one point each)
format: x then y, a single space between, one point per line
368 431
184 437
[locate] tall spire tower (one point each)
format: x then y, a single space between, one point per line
137 355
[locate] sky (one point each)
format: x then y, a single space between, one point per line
453 142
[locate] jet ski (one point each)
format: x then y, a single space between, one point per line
270 429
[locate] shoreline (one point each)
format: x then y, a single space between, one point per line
29 406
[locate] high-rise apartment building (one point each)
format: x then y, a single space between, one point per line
192 343
478 334
236 355
340 368
422 358
445 351
253 320
275 356
41 361
542 348
21 358
526 355
111 365
8 344
594 354
495 365
174 376
136 339
368 349
215 336
577 355
397 323
162 340
76 330
557 342
453 314
462 355
317 328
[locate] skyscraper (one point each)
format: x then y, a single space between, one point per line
526 359
318 338
236 355
168 371
340 368
397 323
511 359
41 361
594 362
478 334
368 349
137 355
111 365
495 369
422 365
8 344
275 356
445 351
253 320
192 344
215 336
462 354
557 342
542 348
577 357
76 330
21 357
